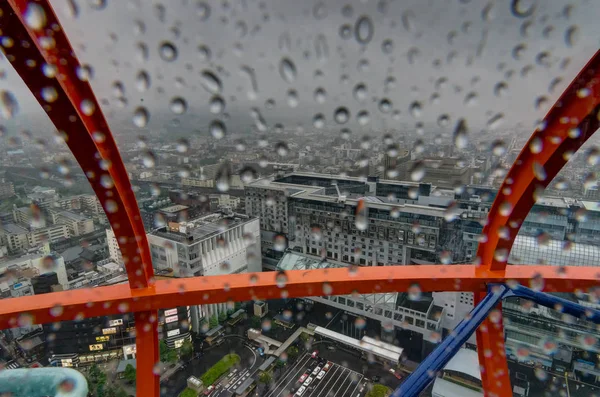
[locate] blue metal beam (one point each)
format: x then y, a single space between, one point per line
554 302
416 382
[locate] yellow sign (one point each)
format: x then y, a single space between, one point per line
108 331
96 347
102 338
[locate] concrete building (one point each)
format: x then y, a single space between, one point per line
35 264
215 244
113 247
76 223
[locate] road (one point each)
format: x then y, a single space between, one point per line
338 380
250 362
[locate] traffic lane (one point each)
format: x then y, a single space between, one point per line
338 381
284 385
354 362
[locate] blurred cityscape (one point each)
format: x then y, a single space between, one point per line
220 208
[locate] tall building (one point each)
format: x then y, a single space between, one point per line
372 222
215 244
113 247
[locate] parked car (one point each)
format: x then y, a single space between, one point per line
303 378
327 366
321 375
316 370
300 390
314 354
307 381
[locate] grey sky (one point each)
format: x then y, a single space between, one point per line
485 35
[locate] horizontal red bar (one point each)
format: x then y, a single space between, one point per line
92 302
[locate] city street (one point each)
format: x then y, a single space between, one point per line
338 381
250 361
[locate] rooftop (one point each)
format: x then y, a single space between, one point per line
174 208
73 216
14 229
201 228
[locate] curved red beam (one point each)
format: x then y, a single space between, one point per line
76 113
568 124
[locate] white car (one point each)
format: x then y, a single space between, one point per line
308 380
316 370
300 390
321 375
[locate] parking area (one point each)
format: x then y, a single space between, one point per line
317 377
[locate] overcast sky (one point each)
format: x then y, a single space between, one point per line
459 49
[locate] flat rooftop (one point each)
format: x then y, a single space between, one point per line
14 229
202 227
174 208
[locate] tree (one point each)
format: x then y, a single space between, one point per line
96 380
130 373
237 306
222 317
114 391
293 352
213 321
256 322
304 337
265 377
172 356
163 350
279 364
378 391
188 393
187 349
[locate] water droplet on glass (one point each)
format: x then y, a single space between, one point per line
385 105
203 11
495 121
408 20
167 51
259 120
443 120
320 95
360 92
592 156
461 138
387 46
414 292
363 117
223 177
500 89
522 8
416 109
471 99
252 92
346 31
204 53
216 104
327 289
292 98
281 279
9 106
341 115
148 159
361 218
35 16
363 30
319 121
141 117
49 94
282 149
217 129
211 82
178 105
287 70
417 171
87 107
142 81
572 35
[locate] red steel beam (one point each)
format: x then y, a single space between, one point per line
147 353
75 112
93 302
492 354
568 124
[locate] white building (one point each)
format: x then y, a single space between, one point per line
214 244
114 252
38 264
